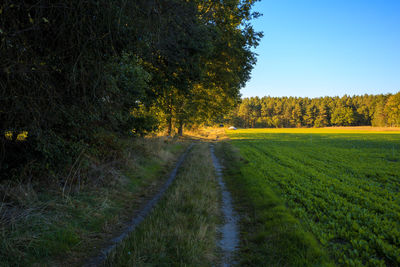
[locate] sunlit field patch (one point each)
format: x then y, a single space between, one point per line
342 184
259 133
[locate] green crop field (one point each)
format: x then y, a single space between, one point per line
343 185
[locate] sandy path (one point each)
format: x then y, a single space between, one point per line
229 230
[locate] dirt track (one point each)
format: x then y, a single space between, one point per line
229 241
140 216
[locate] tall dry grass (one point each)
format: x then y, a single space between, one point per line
42 219
182 228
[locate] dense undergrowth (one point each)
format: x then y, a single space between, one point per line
343 186
48 222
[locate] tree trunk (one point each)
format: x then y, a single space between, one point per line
180 129
180 126
169 122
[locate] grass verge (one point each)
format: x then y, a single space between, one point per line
181 230
270 235
39 225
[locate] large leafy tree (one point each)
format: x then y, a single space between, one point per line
72 70
200 59
231 61
174 53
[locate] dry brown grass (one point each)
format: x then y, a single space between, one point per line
39 225
207 134
181 231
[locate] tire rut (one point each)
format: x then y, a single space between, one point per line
140 215
229 230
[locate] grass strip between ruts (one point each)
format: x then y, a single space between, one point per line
181 230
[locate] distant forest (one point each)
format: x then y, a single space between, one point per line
285 112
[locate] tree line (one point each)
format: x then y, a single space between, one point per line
365 110
76 75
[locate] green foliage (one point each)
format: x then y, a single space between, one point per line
342 116
71 70
392 109
343 187
375 110
215 43
56 82
127 93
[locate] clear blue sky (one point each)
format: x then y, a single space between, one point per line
326 48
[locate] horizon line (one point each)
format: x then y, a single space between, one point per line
338 95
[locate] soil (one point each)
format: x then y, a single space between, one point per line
229 230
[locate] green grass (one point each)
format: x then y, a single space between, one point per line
341 185
43 228
181 230
270 234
